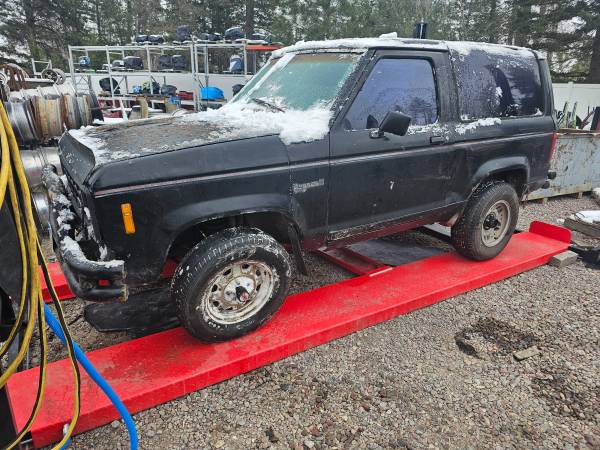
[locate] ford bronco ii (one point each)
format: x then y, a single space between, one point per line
330 143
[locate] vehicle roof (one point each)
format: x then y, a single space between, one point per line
391 40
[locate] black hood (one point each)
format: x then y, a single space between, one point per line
109 143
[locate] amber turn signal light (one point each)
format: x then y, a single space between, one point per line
128 218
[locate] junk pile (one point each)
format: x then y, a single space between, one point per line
569 117
39 116
586 222
575 163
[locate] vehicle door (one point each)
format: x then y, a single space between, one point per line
378 180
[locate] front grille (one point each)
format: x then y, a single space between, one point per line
75 195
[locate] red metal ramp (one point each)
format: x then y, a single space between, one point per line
155 369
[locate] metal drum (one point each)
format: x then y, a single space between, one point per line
23 121
34 160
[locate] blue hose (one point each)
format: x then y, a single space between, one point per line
95 375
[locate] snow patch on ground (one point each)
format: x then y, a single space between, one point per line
590 217
487 122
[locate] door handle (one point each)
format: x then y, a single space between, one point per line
437 139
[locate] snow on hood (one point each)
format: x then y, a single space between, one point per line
292 126
231 122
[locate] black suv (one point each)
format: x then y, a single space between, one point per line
330 143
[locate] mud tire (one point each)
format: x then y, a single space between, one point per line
467 232
213 254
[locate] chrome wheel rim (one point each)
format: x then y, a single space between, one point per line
238 291
496 223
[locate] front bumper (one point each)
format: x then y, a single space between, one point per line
97 281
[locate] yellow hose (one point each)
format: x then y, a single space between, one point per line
10 162
5 135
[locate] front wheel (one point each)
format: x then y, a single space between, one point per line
487 222
230 284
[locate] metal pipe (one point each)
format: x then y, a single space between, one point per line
34 160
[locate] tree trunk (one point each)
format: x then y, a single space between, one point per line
129 19
98 19
594 75
493 26
249 23
30 25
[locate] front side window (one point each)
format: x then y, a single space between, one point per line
300 81
398 84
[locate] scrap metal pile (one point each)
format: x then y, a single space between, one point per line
39 111
41 114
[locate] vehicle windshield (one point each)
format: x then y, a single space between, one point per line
299 81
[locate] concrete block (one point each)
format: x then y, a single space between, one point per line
563 259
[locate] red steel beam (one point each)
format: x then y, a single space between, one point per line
350 260
152 370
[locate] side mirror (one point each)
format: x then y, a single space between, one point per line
394 122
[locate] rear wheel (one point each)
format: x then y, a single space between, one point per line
487 222
230 284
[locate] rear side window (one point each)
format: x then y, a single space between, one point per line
497 82
405 85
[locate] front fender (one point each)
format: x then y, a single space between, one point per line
180 219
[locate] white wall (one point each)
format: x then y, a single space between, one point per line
587 96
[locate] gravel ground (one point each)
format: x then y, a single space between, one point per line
441 377
556 209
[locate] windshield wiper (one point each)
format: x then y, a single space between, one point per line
269 105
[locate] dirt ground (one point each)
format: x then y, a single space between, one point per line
441 377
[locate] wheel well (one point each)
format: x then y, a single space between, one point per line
515 177
272 223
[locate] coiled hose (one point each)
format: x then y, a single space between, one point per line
13 181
